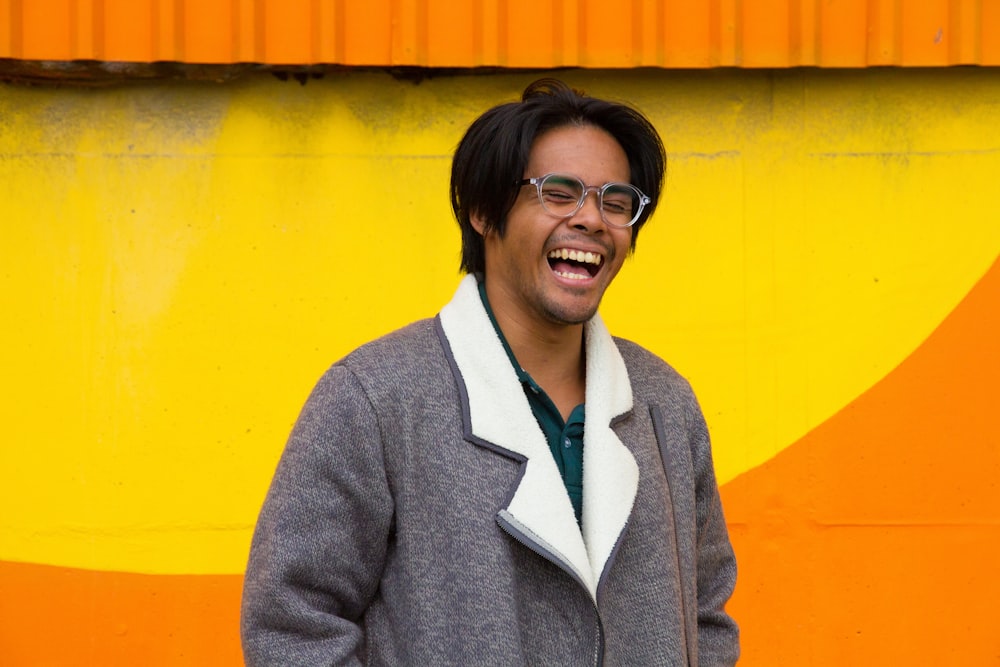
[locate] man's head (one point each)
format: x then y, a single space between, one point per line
491 160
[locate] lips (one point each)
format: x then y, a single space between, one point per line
574 264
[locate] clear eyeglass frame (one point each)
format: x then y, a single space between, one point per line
640 199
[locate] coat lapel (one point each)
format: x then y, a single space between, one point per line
610 473
499 415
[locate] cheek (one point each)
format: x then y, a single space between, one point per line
623 242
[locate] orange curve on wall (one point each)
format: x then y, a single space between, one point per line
871 541
875 539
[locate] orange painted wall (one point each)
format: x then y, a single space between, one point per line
875 539
62 617
508 33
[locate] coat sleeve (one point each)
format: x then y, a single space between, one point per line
319 546
718 634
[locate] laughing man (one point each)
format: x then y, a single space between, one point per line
506 484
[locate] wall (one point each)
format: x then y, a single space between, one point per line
180 262
506 33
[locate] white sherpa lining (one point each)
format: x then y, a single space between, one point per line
500 414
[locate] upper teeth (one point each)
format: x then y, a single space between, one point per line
576 256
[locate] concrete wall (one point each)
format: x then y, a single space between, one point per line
180 261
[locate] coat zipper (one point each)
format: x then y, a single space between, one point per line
502 521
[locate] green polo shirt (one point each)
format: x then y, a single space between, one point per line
565 438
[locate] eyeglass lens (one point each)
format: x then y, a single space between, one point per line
563 195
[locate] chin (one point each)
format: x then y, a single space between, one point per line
563 306
571 315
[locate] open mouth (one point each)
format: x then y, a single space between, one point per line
574 264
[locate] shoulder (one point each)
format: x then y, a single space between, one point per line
411 344
656 383
380 381
413 356
646 368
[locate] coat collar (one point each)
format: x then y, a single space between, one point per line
499 415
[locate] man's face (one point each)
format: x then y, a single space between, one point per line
526 277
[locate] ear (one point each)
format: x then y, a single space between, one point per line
478 223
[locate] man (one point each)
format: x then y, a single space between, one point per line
506 484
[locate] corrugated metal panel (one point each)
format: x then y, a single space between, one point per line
508 33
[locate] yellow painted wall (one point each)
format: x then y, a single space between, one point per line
180 261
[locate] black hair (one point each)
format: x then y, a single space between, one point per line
491 158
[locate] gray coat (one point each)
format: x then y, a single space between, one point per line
417 516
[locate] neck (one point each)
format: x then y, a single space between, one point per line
551 352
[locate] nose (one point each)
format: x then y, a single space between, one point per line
589 217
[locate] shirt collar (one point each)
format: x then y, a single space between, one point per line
522 374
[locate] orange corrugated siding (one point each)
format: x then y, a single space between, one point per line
508 33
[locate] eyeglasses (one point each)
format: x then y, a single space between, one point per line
563 195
